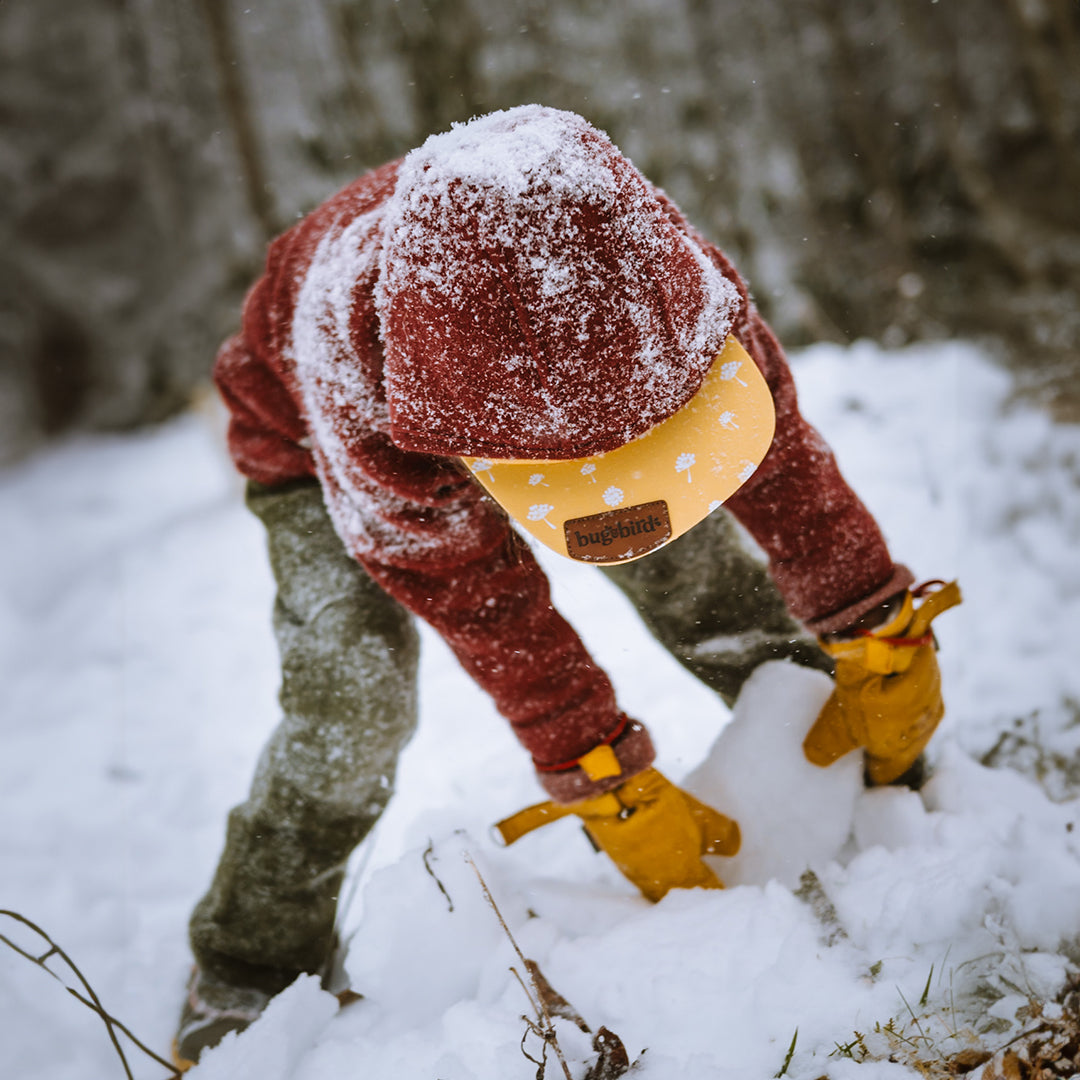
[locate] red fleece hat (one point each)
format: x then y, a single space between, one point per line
537 297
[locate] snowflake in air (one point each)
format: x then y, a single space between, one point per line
715 505
613 495
730 371
539 512
727 420
588 469
683 463
537 478
748 470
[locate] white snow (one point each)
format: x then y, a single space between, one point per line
139 678
275 1043
805 820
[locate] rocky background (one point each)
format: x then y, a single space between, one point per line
898 169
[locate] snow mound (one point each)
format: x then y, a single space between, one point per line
792 814
139 676
272 1047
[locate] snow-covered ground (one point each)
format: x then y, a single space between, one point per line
139 682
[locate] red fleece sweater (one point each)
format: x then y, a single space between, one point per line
304 382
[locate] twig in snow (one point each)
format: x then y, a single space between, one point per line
545 1029
612 1059
91 1000
428 851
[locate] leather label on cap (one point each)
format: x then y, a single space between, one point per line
617 535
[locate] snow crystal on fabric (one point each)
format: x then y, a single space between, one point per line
374 521
340 385
340 389
536 299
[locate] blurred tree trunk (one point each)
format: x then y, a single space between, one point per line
878 168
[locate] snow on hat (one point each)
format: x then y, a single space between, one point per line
536 299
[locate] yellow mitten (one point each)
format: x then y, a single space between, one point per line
654 832
887 697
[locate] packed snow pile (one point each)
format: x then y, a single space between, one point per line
863 934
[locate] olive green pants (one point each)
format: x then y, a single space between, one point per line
348 697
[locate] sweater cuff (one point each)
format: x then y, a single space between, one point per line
901 579
634 752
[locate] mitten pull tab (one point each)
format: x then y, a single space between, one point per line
524 821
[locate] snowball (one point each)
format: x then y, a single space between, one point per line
792 814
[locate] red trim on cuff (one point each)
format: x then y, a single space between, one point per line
635 752
562 766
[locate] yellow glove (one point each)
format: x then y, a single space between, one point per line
654 832
887 697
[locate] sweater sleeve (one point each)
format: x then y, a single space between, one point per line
423 530
826 552
267 436
436 543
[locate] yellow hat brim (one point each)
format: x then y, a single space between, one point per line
624 504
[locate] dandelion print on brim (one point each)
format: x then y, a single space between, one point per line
676 474
730 371
683 463
539 512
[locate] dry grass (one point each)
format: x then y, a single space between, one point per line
928 1040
